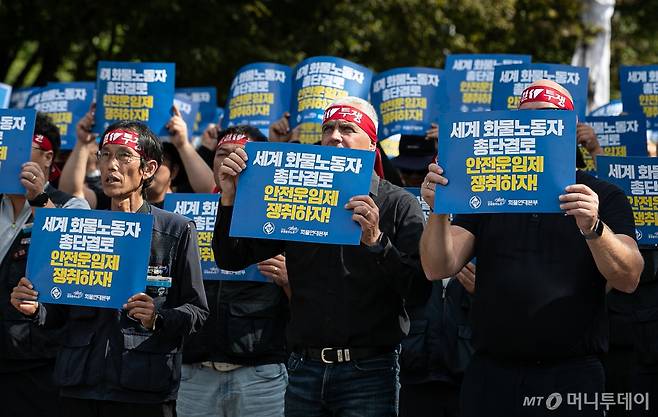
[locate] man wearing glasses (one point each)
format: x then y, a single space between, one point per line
538 314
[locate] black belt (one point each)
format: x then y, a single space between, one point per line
338 355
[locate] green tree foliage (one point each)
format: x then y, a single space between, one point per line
210 39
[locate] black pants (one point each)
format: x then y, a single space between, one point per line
75 407
431 399
495 388
29 393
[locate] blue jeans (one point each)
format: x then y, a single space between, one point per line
256 391
360 388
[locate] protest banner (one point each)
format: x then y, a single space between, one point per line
618 136
511 80
202 209
406 99
638 178
90 258
206 98
188 110
505 161
65 104
259 95
19 97
135 91
316 83
468 79
5 95
16 130
639 91
298 192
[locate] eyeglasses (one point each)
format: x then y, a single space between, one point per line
124 157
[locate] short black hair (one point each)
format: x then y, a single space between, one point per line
171 154
148 141
44 126
253 133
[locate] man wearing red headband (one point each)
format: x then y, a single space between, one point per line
127 362
538 313
27 353
242 345
347 308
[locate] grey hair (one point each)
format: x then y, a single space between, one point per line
361 104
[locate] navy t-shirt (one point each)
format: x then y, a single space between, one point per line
538 292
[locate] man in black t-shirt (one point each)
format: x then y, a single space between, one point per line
538 314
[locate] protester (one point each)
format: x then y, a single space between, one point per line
127 362
27 352
437 349
538 314
347 313
242 345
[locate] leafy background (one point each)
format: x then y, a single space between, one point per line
210 39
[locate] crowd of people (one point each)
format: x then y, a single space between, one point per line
463 316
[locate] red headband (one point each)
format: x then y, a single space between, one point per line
544 94
233 138
42 142
351 114
124 138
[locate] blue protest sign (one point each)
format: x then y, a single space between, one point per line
317 82
423 205
206 98
65 104
298 192
16 130
135 91
202 209
505 161
638 177
90 258
511 80
5 95
188 111
406 100
639 91
259 95
618 136
468 79
614 108
19 97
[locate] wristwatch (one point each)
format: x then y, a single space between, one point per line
39 201
596 232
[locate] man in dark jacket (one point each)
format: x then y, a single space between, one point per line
235 365
127 362
347 304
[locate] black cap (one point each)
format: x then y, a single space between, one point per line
416 153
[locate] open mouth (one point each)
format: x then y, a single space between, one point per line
112 180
